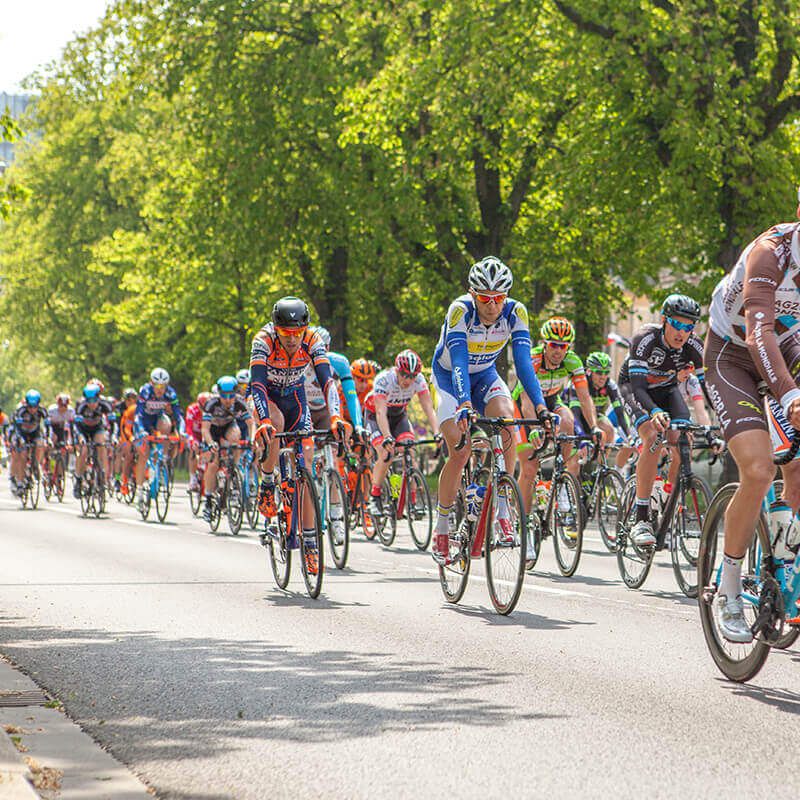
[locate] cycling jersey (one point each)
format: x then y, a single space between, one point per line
194 421
605 399
59 419
340 366
397 399
149 408
91 420
277 377
653 364
126 423
220 416
691 389
465 356
29 420
569 373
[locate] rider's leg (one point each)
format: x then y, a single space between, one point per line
141 463
101 439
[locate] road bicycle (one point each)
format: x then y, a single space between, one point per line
227 497
602 490
332 497
249 478
558 511
157 484
31 481
677 525
93 484
296 499
409 497
492 526
358 477
54 476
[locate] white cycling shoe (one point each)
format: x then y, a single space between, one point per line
337 527
642 534
731 620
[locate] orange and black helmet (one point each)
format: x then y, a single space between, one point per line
364 369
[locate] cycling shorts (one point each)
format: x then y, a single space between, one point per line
87 434
667 398
59 434
220 432
484 386
320 418
292 404
399 427
21 438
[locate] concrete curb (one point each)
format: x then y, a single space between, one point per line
14 773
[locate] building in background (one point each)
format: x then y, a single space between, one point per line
16 105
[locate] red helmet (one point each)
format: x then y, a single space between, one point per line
408 362
363 369
203 398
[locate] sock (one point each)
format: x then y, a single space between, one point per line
642 509
730 582
310 536
443 520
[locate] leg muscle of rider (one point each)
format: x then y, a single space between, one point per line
647 465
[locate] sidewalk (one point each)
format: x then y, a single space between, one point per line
41 747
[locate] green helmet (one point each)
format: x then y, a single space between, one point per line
599 362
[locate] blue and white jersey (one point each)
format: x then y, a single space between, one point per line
467 347
149 408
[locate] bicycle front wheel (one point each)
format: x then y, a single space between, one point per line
505 546
738 662
634 562
337 523
234 502
566 523
36 485
251 507
146 499
387 523
419 509
685 530
609 504
312 551
58 478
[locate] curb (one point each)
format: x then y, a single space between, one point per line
14 773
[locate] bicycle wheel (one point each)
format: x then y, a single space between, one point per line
454 575
250 484
505 545
47 482
534 539
86 492
367 523
58 476
195 501
335 503
566 523
162 495
609 500
634 562
99 492
387 526
280 556
36 485
685 530
738 662
419 509
307 493
145 500
234 502
217 501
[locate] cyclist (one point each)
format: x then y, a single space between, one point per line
606 397
753 336
476 329
281 351
243 390
94 420
29 426
126 411
194 434
557 366
62 418
157 410
648 381
387 418
221 417
364 371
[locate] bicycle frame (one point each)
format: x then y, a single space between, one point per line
402 499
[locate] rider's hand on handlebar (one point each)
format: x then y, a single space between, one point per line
463 416
660 420
597 437
388 441
265 433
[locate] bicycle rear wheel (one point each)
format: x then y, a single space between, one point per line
634 562
336 503
738 662
195 501
217 500
685 530
59 471
505 545
609 503
145 499
86 492
234 502
47 480
36 485
419 509
566 523
98 492
306 493
280 556
387 524
362 491
250 484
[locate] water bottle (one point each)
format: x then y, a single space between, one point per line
542 491
781 527
474 500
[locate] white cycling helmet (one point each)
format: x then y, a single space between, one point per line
325 335
242 376
490 274
159 377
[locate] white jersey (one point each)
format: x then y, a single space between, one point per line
397 398
59 418
780 274
315 397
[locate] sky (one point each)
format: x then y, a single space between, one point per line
34 32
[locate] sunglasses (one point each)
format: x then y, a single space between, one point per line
687 327
558 345
294 333
227 395
490 298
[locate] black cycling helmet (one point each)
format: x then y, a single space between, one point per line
681 305
290 312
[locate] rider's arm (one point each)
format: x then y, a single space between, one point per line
178 414
521 351
581 386
341 366
381 416
427 406
455 341
638 368
205 430
762 278
258 377
616 404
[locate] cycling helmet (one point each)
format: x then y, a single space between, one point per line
325 335
130 392
243 376
290 312
409 362
227 384
364 369
91 391
203 398
64 398
490 274
598 362
32 397
159 377
681 305
558 329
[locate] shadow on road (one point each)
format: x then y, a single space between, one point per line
517 618
782 699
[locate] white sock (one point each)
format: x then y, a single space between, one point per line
730 582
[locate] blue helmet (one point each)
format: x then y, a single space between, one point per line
32 397
227 384
91 391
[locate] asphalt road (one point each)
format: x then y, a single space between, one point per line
172 647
